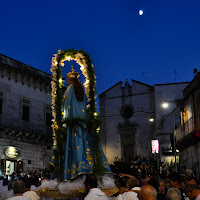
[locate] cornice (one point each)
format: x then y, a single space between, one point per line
26 76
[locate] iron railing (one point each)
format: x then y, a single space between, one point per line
26 126
185 129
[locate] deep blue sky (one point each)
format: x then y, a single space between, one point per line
161 46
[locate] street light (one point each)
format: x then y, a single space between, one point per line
165 105
151 119
178 103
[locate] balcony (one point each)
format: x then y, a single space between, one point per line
187 134
25 126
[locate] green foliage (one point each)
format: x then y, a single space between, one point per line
92 121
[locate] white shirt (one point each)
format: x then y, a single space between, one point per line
198 197
19 198
96 194
8 194
32 195
128 195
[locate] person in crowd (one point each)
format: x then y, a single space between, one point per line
130 192
4 187
173 194
30 194
192 190
19 189
162 190
94 193
121 184
173 181
147 192
153 182
9 193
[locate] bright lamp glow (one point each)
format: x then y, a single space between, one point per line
60 80
151 119
165 105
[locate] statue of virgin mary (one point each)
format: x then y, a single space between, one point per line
78 148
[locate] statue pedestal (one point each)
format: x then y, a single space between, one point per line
71 194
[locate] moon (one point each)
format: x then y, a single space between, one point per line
140 12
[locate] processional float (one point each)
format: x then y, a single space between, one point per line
83 122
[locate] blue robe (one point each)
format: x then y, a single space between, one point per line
78 152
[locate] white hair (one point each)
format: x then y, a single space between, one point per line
174 194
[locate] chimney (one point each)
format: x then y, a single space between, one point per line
195 72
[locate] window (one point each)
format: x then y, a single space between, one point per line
48 116
127 111
25 110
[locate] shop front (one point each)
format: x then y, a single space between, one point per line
11 161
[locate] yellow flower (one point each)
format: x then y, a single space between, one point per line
88 149
74 134
69 106
78 147
83 110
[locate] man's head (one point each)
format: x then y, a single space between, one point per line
121 182
90 182
173 180
192 190
18 187
147 192
132 182
173 194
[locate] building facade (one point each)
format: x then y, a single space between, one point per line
25 117
168 117
188 134
125 111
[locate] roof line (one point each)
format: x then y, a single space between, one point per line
110 88
141 83
171 83
24 64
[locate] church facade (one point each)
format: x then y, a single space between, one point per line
125 113
25 117
132 116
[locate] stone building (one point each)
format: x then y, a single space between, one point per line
125 112
168 117
188 134
25 117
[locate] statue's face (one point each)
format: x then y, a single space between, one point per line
70 80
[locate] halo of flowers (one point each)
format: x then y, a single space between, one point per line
58 125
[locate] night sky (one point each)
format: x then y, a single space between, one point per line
161 46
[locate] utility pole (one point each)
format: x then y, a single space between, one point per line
173 144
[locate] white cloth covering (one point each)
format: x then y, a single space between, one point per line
97 194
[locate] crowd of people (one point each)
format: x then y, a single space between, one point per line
173 187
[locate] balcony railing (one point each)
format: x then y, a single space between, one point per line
185 129
24 126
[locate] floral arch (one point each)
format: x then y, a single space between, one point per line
58 125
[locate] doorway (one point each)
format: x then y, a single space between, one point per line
10 167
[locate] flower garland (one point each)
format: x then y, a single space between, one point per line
58 125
